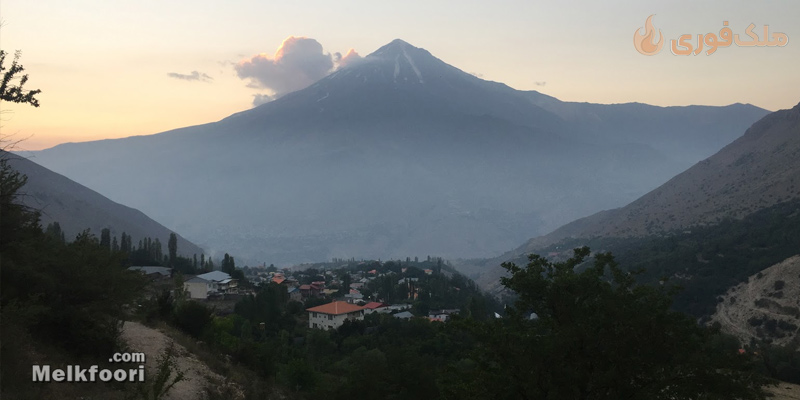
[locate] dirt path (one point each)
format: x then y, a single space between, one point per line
152 342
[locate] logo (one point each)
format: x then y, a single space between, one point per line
709 42
644 43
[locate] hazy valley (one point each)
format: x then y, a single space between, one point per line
397 155
400 228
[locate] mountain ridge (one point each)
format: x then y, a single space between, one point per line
399 154
77 208
754 172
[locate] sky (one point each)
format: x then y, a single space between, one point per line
110 69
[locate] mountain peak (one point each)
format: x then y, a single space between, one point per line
393 48
399 42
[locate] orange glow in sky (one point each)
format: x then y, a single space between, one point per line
117 69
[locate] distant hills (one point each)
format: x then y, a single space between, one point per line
756 171
398 155
708 228
77 208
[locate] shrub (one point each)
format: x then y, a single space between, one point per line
193 318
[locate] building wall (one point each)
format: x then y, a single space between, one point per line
197 290
328 321
381 310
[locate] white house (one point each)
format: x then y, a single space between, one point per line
333 315
201 286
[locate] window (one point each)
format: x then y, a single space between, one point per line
330 317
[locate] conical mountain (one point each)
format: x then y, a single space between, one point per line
397 155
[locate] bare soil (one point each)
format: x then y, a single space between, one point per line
152 342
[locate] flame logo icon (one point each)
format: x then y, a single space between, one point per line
644 43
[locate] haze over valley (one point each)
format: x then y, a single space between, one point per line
439 200
398 154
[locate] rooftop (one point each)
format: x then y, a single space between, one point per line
214 276
152 270
336 308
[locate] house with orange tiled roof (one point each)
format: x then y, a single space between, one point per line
375 306
333 315
312 290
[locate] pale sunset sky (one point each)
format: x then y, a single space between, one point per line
110 69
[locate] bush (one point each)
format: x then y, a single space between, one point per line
193 318
787 326
771 325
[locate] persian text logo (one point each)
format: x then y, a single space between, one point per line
644 43
684 45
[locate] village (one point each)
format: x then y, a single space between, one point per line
332 293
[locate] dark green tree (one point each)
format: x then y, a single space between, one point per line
124 243
172 245
228 264
54 231
596 334
158 254
105 238
53 295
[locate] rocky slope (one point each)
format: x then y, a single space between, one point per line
766 307
760 169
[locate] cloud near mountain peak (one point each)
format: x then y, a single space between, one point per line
298 62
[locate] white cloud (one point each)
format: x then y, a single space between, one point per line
194 76
298 63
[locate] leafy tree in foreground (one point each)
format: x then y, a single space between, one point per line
598 335
11 92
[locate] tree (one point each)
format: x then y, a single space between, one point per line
599 335
173 248
105 238
124 244
228 264
54 231
55 295
11 92
157 253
